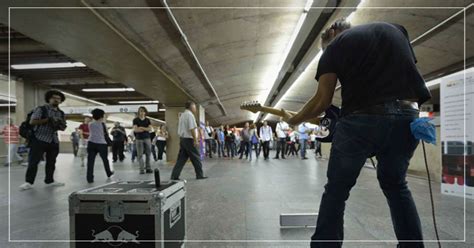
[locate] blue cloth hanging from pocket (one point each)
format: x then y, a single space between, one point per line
424 129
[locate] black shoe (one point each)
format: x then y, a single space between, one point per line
114 161
276 158
176 178
148 171
200 178
304 158
283 157
142 171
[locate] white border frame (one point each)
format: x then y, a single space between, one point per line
238 241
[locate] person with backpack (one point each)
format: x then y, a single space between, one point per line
99 141
41 130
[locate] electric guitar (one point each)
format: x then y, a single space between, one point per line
327 122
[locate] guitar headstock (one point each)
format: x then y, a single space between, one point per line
252 106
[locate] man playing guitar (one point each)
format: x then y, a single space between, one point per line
376 67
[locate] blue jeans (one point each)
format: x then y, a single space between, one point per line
358 137
220 149
303 144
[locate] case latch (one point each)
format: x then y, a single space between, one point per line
114 211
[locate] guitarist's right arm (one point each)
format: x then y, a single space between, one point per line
318 103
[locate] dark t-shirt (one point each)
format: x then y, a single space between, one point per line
117 135
374 63
142 123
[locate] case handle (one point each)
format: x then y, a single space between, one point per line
114 211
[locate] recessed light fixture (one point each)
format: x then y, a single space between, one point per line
47 65
108 90
161 110
137 102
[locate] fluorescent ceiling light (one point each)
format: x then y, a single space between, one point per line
275 72
108 89
161 110
308 5
47 65
315 60
137 102
350 16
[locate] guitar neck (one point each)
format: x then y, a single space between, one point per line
273 111
279 112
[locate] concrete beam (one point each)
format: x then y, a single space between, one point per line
83 36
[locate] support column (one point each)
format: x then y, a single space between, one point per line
172 143
201 122
28 97
201 114
172 121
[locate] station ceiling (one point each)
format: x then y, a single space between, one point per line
218 53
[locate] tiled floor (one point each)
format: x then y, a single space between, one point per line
241 200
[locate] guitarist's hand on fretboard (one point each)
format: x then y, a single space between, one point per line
328 126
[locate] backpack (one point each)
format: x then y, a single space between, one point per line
26 129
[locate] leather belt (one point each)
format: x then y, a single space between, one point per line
392 107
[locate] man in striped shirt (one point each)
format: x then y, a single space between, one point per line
11 138
45 139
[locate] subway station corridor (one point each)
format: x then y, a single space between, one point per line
122 123
241 200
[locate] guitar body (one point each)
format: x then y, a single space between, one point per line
331 116
327 122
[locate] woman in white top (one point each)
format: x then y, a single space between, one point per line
161 137
266 135
291 146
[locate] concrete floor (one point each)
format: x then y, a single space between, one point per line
241 200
